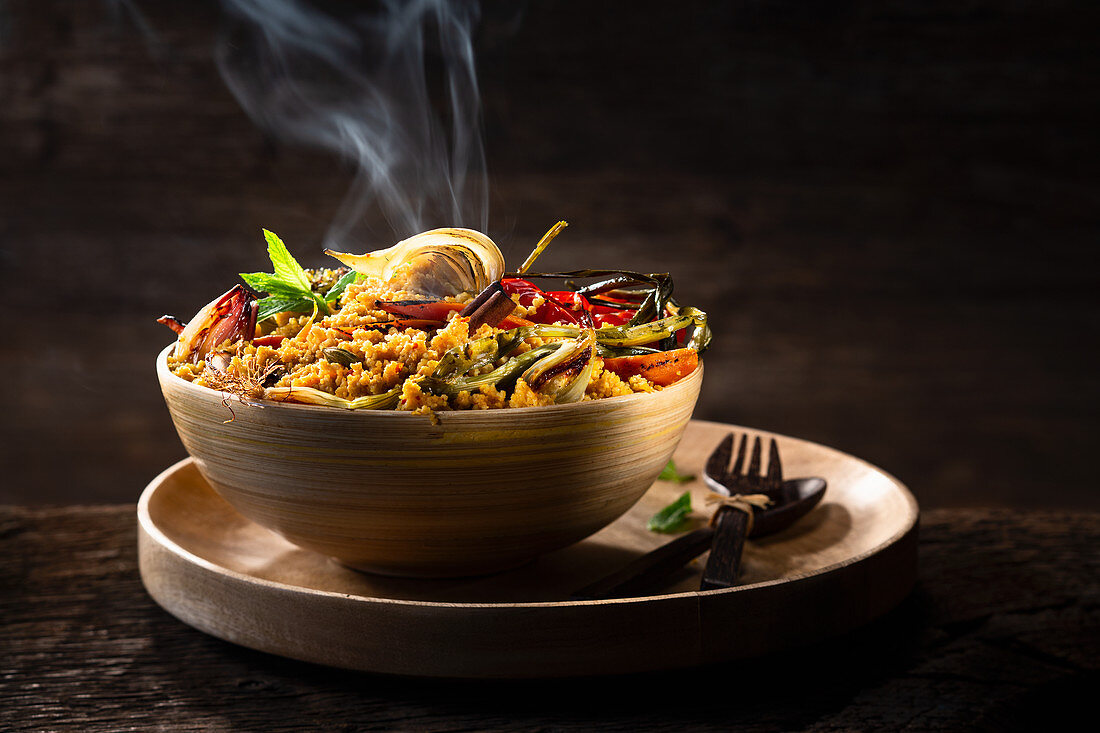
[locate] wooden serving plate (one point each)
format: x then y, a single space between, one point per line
850 560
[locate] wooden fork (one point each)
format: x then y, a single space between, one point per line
793 499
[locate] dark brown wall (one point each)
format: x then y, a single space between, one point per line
888 209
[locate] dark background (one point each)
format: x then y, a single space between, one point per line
888 209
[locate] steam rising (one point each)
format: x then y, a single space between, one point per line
367 88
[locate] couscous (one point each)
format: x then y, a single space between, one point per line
389 335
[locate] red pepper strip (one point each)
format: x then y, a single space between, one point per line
550 311
267 340
616 299
431 310
663 368
563 305
604 316
570 300
442 309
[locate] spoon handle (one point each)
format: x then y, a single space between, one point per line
724 561
649 568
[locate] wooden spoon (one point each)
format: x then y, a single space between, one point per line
800 496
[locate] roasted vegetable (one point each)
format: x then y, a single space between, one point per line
311 396
438 263
663 367
549 338
565 373
229 317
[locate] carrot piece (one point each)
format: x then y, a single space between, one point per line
514 322
663 368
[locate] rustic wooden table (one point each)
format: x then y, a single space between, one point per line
1002 632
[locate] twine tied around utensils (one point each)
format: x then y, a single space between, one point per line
746 503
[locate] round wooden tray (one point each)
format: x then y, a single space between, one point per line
850 560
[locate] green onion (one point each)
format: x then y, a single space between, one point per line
311 396
501 376
546 238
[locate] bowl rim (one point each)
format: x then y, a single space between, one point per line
164 373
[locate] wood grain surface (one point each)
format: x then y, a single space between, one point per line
886 208
847 564
1000 634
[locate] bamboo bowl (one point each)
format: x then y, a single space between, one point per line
390 493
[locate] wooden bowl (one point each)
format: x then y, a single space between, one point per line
390 493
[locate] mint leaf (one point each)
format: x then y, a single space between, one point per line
340 286
669 473
286 267
288 287
673 517
270 284
273 304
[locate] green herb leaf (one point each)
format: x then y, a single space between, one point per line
270 284
288 287
286 267
274 304
669 473
340 286
673 517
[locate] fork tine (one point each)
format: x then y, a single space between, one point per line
719 461
775 468
754 462
739 463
